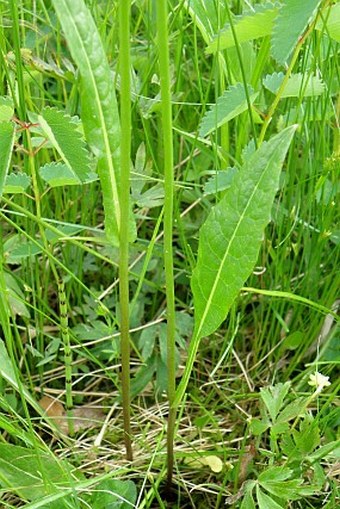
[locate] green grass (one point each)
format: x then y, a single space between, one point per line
281 332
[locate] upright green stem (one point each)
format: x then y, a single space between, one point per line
125 151
166 110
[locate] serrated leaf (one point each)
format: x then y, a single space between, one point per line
99 105
232 103
62 132
273 398
297 85
7 132
265 501
258 427
291 411
276 474
293 18
6 108
32 473
219 182
332 26
230 238
152 197
59 174
16 183
307 438
249 26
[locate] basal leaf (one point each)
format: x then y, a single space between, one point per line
62 132
233 102
16 183
293 18
332 25
251 25
99 105
231 237
297 85
114 494
7 132
32 473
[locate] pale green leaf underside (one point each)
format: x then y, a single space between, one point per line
99 104
59 174
62 132
232 103
6 145
230 238
297 85
332 27
16 183
249 26
293 18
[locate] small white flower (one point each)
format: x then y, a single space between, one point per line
319 381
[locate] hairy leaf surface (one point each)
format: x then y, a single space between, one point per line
6 145
99 104
233 102
293 18
231 236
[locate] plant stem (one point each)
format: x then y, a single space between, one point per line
166 111
125 151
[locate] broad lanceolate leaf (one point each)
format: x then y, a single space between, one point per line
293 18
297 86
233 102
6 146
230 238
251 25
66 139
99 104
114 494
32 473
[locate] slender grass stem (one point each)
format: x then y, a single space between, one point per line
65 336
125 147
166 110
